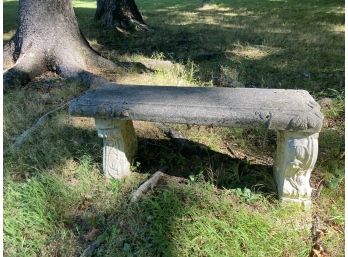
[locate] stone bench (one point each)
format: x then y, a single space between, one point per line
292 113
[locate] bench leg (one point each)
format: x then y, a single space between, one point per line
120 146
295 159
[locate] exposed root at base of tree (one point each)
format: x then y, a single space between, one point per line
18 77
135 25
9 49
80 63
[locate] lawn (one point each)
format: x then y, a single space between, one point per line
217 202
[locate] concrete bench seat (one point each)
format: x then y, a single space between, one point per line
293 113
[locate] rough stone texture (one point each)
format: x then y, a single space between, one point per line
293 113
277 109
295 159
120 146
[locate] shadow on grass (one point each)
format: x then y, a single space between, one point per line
294 48
171 220
185 158
276 44
182 158
133 229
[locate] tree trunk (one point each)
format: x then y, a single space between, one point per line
48 38
120 14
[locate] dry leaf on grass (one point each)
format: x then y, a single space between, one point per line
318 251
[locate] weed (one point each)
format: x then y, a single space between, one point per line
246 194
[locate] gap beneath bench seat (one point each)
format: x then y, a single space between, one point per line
293 113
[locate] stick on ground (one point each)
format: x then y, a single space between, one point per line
146 186
26 134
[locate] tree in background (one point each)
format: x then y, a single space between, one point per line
120 14
48 38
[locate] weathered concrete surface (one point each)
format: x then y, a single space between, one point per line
293 113
295 159
277 109
120 146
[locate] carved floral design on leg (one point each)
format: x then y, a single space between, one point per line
296 156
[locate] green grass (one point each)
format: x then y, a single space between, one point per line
26 106
187 229
55 193
279 44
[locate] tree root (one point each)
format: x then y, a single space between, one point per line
133 25
23 72
27 67
177 138
140 26
82 64
91 80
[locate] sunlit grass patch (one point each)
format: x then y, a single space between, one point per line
8 35
191 220
254 52
332 219
337 28
34 209
214 7
157 71
85 4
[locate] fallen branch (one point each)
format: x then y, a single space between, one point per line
27 133
146 186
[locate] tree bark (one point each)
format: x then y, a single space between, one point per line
48 38
120 14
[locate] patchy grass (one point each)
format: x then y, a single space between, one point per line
55 195
277 44
25 106
186 229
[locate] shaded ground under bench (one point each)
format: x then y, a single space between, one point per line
294 114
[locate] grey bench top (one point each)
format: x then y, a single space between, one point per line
277 109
